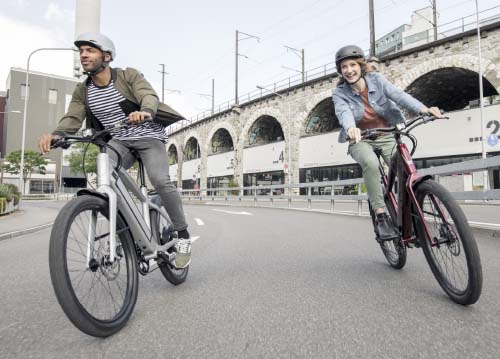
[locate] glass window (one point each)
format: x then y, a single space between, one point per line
53 96
41 186
264 179
325 174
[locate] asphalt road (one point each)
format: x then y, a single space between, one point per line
267 284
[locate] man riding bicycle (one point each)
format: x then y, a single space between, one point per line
112 95
364 99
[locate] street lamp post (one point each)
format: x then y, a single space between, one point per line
21 179
289 135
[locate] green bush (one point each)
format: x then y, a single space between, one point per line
13 188
16 197
233 183
3 204
6 192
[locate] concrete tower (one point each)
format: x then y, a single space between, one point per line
87 19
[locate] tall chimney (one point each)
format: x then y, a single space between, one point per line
87 19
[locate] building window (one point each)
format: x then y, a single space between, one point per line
23 91
41 186
53 96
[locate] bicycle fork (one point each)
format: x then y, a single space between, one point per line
104 186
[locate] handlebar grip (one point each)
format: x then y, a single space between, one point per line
127 122
59 143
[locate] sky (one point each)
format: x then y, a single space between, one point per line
196 39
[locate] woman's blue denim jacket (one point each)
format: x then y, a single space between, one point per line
383 96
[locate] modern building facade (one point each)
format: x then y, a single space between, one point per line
48 99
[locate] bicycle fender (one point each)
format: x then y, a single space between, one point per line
91 192
420 180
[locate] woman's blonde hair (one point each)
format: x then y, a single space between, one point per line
365 68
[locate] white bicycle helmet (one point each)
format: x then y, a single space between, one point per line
97 40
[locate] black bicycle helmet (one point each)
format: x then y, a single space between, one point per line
348 52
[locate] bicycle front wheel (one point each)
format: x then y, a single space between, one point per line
97 295
453 257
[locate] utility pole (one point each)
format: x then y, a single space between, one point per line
236 72
163 73
299 53
213 95
372 30
237 54
434 19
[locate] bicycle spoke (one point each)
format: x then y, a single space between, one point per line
101 291
453 267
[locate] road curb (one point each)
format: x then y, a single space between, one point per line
22 232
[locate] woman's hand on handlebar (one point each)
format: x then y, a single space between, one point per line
138 117
354 134
434 111
44 142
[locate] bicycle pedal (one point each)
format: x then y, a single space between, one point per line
165 258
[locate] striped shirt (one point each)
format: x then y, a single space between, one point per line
104 104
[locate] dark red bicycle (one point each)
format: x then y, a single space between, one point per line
427 216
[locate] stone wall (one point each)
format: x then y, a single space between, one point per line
291 110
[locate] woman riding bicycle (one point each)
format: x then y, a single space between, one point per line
364 99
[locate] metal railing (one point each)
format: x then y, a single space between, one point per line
454 27
445 30
335 191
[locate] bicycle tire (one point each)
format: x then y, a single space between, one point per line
395 250
452 240
70 271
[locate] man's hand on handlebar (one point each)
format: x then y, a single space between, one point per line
44 142
138 117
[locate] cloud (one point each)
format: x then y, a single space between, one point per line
55 13
29 37
21 3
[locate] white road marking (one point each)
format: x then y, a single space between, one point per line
232 212
199 222
194 239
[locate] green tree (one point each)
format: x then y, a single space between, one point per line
75 158
33 161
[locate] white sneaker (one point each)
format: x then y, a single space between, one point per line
183 256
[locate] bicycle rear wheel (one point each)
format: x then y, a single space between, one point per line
394 250
454 258
171 273
96 295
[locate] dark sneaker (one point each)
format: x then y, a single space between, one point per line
385 229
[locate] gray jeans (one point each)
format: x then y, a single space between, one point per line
154 157
362 153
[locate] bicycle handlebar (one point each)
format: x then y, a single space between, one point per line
373 133
66 141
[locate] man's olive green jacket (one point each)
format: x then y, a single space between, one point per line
139 95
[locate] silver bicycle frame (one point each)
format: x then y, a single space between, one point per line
116 186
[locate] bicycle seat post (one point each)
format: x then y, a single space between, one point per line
144 190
